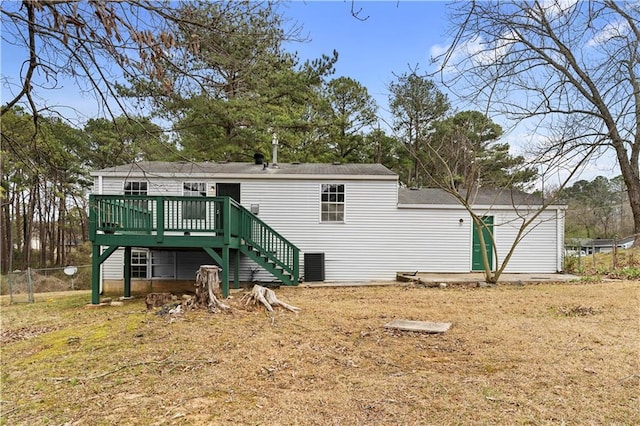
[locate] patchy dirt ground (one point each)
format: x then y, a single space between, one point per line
533 354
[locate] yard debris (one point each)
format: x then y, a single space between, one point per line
24 333
420 326
208 295
158 300
577 311
267 297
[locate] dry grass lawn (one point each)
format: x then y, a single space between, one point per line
534 354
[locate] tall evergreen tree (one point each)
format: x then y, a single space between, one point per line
248 86
416 104
350 112
464 150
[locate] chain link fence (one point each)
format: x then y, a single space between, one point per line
22 286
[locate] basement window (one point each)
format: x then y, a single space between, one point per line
139 263
332 203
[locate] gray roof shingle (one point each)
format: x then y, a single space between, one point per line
483 196
250 169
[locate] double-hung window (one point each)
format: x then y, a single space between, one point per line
332 203
136 188
194 209
139 263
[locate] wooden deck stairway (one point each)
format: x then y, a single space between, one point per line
219 225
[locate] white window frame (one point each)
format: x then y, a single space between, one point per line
199 208
136 191
142 266
333 202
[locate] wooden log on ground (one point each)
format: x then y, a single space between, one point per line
157 300
266 297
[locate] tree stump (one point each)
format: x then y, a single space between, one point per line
208 290
267 297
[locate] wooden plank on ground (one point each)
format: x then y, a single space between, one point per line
421 326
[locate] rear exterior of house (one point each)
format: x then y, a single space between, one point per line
351 222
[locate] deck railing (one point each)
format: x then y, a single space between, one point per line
156 214
215 216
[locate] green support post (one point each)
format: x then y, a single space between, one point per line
95 275
127 271
236 269
225 271
296 266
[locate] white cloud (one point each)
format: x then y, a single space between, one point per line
437 50
611 30
553 8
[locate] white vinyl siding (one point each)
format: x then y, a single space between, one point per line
354 250
113 267
537 252
377 239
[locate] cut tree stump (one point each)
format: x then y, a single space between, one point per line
208 290
267 297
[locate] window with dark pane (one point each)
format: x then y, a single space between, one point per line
332 203
194 209
136 188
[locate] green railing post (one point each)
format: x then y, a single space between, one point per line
226 221
159 219
93 216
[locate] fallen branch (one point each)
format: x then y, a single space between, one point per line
266 297
131 365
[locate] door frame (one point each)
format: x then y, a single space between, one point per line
476 255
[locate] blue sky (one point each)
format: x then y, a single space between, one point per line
395 36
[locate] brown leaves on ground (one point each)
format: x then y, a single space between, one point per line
539 354
23 333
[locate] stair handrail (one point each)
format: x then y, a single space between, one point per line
290 262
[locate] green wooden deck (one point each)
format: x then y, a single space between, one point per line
219 225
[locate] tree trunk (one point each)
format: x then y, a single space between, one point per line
208 290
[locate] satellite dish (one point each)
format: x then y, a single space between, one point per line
70 270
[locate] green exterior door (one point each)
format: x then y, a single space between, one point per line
476 258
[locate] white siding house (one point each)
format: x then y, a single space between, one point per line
354 216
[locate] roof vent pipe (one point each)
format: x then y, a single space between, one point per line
274 157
